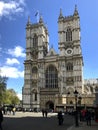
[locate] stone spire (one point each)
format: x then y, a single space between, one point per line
76 11
61 15
40 19
28 22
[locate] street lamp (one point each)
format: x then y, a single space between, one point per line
76 112
80 98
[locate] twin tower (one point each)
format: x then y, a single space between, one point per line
49 76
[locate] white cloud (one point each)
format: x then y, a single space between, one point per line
12 61
11 7
22 2
19 96
17 51
11 72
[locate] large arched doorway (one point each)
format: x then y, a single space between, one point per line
50 105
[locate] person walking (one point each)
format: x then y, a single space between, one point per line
88 117
46 112
14 109
60 118
1 119
43 112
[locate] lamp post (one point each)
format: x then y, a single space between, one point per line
80 98
76 112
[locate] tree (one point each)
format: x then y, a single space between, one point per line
11 97
7 96
3 84
14 98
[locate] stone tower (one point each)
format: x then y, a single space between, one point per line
70 50
36 50
49 75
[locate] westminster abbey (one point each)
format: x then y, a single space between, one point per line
50 76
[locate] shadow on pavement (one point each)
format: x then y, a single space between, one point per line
36 123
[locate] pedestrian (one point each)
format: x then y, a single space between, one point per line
43 112
14 109
60 118
83 114
1 119
46 113
88 117
93 115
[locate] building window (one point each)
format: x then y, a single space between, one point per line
51 77
69 67
68 35
35 41
35 72
35 96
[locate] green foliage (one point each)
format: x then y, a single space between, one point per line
3 84
11 97
7 96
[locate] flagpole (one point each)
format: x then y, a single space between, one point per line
37 16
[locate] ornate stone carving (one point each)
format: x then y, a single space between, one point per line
34 53
69 81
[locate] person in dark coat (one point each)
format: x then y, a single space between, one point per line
88 117
43 112
46 112
1 119
60 118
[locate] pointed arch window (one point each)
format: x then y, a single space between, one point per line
34 72
35 96
51 77
68 35
35 41
69 67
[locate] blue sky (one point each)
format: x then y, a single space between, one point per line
13 19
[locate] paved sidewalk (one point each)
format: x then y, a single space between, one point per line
35 121
83 126
30 114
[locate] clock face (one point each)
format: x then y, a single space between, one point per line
69 51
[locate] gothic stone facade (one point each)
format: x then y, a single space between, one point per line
48 76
